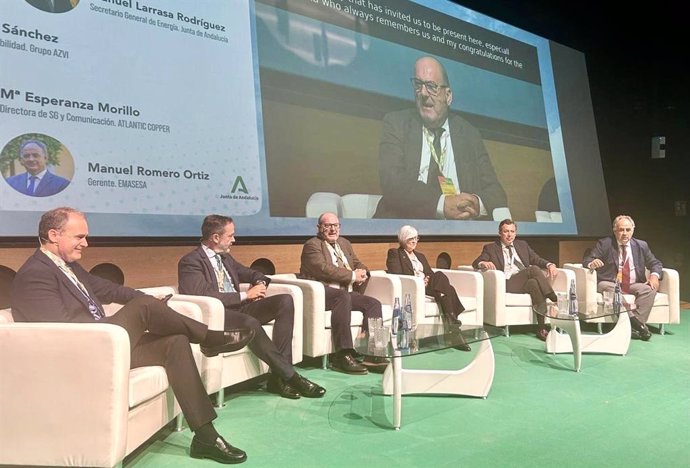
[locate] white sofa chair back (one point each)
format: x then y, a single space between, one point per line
468 284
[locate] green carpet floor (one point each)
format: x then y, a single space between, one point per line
619 411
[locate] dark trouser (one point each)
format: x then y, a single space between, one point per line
341 303
167 344
444 293
277 353
532 281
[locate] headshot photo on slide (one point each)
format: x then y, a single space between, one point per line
53 6
36 165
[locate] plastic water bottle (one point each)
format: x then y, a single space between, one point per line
397 316
407 313
617 297
572 296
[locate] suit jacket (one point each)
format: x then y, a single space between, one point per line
50 184
606 250
196 276
317 263
41 292
400 153
397 262
494 253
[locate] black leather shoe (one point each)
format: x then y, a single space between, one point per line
220 451
640 328
235 339
347 364
280 387
376 364
542 333
305 387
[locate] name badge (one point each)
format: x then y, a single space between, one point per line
447 185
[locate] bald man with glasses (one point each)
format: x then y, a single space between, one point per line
433 164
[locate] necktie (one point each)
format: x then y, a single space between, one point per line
224 283
95 310
434 170
32 185
625 270
340 257
514 259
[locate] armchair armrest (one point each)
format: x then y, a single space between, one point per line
411 285
669 285
385 288
313 301
585 282
83 419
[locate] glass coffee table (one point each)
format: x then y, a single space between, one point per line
617 341
474 379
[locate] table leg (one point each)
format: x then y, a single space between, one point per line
397 390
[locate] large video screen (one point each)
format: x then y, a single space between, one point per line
150 115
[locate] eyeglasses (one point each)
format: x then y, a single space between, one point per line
431 86
331 225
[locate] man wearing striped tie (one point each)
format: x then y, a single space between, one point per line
625 258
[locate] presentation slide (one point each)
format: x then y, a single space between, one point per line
148 115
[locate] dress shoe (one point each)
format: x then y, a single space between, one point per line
235 339
542 333
220 451
376 364
640 328
281 387
463 346
305 387
347 364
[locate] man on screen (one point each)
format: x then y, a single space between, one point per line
53 6
433 164
37 181
210 270
51 286
623 258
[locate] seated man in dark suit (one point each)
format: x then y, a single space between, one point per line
623 258
522 267
432 163
211 271
37 181
52 287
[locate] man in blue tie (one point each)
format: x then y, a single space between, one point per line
211 271
37 181
52 287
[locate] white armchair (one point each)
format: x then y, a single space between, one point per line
317 320
503 309
666 309
227 369
69 398
468 284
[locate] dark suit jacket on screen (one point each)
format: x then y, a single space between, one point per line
400 153
41 292
50 184
197 276
606 250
